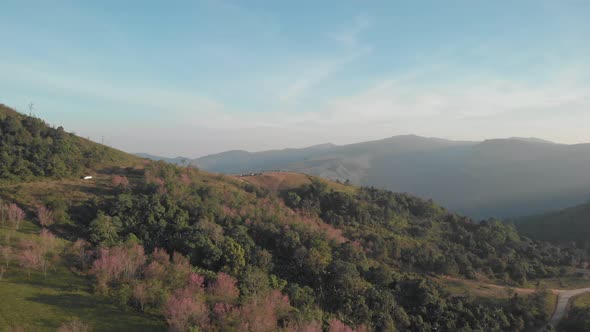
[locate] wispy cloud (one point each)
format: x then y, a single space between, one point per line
318 70
316 73
471 97
405 104
350 34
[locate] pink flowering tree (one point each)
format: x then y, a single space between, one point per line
15 215
45 216
178 271
262 314
224 289
120 181
313 326
29 256
338 326
6 254
47 240
108 267
184 310
140 294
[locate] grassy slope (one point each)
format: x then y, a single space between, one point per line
485 291
36 303
109 157
278 181
581 301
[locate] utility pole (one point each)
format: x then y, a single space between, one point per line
31 106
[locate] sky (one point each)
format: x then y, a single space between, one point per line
193 78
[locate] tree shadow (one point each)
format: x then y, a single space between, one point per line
92 190
100 312
58 281
69 301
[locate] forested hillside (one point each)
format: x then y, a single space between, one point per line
567 226
215 253
30 149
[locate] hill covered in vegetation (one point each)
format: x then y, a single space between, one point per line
278 252
30 149
567 226
493 178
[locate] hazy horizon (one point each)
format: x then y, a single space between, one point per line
364 141
196 78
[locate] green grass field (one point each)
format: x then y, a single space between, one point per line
36 303
566 282
550 304
581 301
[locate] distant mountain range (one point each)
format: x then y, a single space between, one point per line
176 160
493 178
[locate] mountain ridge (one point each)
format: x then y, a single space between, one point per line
489 178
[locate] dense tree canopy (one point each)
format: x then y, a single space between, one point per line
353 256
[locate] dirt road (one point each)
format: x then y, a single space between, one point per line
563 298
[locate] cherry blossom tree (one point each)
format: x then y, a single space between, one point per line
337 326
157 268
120 181
184 310
196 282
29 256
310 327
117 263
35 256
15 215
140 294
262 314
6 253
161 256
179 271
133 260
224 288
156 271
45 216
107 267
47 240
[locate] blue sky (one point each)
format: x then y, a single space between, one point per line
197 77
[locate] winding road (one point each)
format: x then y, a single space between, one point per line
563 298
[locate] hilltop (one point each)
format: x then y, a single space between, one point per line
32 150
283 181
